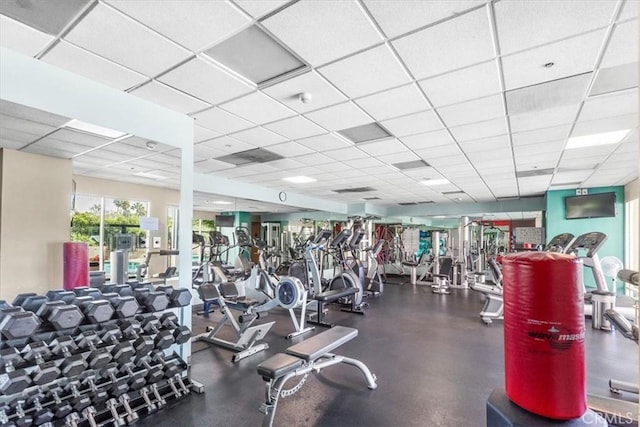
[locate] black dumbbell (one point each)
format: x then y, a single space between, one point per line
97 394
155 372
45 372
96 311
83 291
62 408
122 350
122 290
61 295
89 414
72 364
151 325
137 378
30 301
152 301
97 357
142 344
132 416
17 323
119 385
72 420
15 382
124 306
171 366
41 414
60 315
151 407
11 359
181 333
180 297
116 418
22 419
78 401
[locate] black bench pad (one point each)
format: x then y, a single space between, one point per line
322 343
278 365
410 263
334 294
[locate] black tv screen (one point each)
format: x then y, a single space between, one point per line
224 220
599 205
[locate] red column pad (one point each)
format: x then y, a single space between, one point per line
545 367
75 257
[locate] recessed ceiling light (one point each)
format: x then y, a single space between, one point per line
604 138
434 182
300 179
150 175
549 65
94 129
221 202
440 216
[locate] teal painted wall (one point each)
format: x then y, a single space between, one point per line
612 227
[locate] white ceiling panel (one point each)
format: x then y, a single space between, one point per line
573 176
425 121
312 159
381 148
12 109
10 144
322 31
484 155
85 139
628 121
259 137
192 23
493 143
451 151
258 8
629 10
602 151
427 140
472 111
323 94
21 38
401 16
339 117
291 149
258 108
469 83
206 81
166 96
616 104
551 147
211 165
296 128
105 31
202 134
322 143
45 150
519 28
227 145
456 43
346 154
480 130
221 121
22 130
393 103
371 71
623 46
573 56
77 60
202 152
536 136
590 162
543 119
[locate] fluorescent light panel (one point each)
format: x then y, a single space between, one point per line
300 179
430 182
364 133
414 164
94 129
221 202
596 139
150 175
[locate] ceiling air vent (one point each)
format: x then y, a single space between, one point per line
353 190
414 164
415 203
256 155
371 198
364 133
534 172
451 193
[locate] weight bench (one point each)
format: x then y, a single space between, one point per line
247 335
311 355
328 297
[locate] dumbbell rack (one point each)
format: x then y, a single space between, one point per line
102 371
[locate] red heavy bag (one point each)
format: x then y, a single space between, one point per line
545 367
75 257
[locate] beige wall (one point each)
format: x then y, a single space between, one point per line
35 222
632 224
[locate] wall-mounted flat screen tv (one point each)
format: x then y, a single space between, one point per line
600 205
224 220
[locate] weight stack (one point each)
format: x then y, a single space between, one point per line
545 367
75 257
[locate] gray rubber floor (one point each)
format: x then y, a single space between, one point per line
435 361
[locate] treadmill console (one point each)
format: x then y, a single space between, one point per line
590 242
560 243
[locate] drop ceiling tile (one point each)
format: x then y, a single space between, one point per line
68 135
472 111
312 159
322 143
323 94
479 130
427 140
574 176
23 130
206 81
573 56
166 96
193 24
258 108
544 119
381 148
259 8
339 117
259 137
80 61
346 154
227 145
457 43
615 79
45 150
211 165
425 121
484 155
10 144
401 16
629 10
450 151
104 31
493 143
623 46
469 83
12 109
20 38
291 149
518 23
551 147
394 103
296 128
166 159
322 31
202 134
627 121
221 121
201 153
615 104
367 72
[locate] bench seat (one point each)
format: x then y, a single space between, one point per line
322 343
334 294
278 365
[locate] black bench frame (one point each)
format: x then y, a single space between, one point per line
330 296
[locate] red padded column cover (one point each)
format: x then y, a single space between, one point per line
545 368
75 257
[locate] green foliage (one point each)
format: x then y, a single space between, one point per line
85 226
